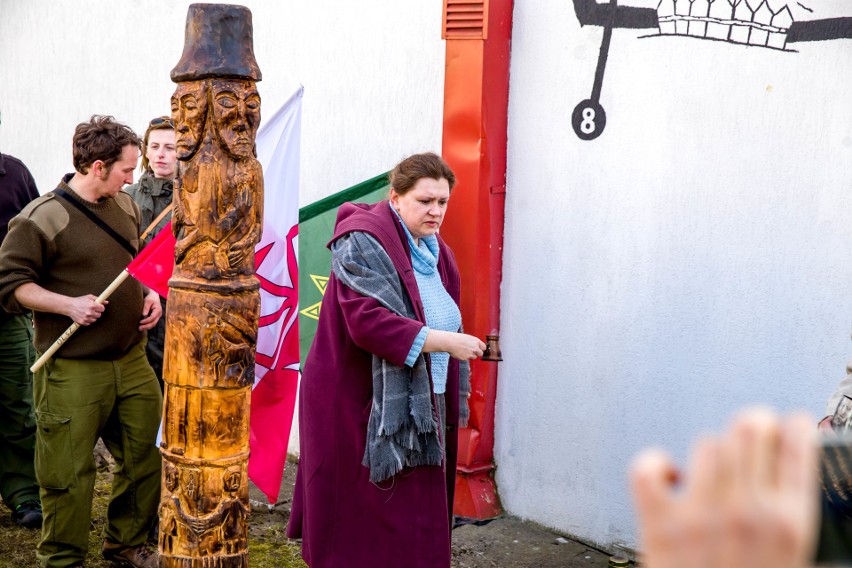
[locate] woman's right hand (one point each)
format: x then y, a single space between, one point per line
465 347
460 346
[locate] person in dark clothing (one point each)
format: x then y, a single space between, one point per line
18 486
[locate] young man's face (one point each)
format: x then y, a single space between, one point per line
119 174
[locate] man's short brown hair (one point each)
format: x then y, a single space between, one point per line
429 165
102 138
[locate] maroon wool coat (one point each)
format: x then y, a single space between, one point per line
345 521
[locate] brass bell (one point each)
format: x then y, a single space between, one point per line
492 348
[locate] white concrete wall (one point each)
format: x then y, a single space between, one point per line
372 71
691 260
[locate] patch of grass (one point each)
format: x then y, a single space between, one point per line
17 545
274 555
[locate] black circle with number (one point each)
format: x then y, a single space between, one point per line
588 120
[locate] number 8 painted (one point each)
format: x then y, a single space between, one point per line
588 124
588 120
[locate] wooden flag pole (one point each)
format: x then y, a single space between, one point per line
100 299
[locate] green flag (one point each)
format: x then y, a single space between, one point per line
316 226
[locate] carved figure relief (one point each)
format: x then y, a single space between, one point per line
189 111
236 116
220 155
232 480
170 477
212 527
212 331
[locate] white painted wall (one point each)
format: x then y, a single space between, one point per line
372 70
691 260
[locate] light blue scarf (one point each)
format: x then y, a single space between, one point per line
424 259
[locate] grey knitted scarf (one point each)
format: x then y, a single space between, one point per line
401 431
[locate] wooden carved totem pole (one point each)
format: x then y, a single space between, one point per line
214 299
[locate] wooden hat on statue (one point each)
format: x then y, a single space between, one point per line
218 43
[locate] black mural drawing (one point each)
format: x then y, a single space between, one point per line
748 22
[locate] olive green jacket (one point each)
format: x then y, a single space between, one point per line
152 195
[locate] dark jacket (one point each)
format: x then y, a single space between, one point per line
342 518
17 188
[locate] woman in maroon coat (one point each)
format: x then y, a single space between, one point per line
384 387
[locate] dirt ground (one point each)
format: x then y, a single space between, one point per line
504 542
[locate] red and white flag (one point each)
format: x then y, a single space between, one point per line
273 399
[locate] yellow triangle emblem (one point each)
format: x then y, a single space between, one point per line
320 282
312 312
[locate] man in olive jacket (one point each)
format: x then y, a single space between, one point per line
63 249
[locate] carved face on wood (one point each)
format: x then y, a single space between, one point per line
189 112
232 480
236 115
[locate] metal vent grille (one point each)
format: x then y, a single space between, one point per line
465 19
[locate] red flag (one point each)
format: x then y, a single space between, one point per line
154 265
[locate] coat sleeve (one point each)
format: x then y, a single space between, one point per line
376 329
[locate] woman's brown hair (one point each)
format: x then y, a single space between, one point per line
413 168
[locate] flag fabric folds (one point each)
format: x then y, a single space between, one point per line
154 265
277 370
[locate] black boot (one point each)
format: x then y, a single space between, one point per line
28 515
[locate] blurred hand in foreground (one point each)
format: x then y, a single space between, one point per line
749 498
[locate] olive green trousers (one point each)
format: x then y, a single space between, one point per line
76 401
17 425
